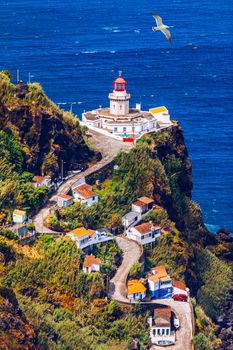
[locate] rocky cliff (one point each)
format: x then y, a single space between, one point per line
48 136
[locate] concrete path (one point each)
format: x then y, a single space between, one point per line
117 290
109 148
131 253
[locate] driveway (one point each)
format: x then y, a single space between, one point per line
108 147
117 290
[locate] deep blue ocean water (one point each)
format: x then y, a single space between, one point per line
74 48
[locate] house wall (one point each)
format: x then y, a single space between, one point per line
19 219
137 296
162 291
176 291
87 201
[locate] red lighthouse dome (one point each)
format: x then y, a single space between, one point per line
120 84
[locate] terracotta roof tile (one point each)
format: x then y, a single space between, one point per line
64 196
91 259
81 231
146 227
162 316
160 274
146 200
85 191
179 285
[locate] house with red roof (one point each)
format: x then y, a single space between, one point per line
84 194
160 283
179 288
161 332
144 234
42 181
64 201
142 205
91 264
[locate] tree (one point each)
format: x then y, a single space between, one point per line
201 342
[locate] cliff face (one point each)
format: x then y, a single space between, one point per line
47 135
16 333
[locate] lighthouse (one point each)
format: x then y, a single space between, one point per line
119 98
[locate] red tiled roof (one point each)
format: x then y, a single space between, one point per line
64 196
39 179
179 285
160 274
146 200
85 191
138 203
144 228
91 259
162 316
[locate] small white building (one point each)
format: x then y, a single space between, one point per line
161 327
121 121
91 264
42 181
162 116
85 238
19 216
179 288
136 290
142 205
145 233
64 201
131 218
85 195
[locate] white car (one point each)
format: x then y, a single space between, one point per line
176 323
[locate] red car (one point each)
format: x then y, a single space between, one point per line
180 297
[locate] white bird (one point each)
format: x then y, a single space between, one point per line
162 27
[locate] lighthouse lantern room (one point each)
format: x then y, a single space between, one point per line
119 98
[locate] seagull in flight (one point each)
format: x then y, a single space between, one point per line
162 27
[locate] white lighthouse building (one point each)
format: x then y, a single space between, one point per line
122 122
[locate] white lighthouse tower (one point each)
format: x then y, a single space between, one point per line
119 98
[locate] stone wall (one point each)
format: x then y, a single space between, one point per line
100 174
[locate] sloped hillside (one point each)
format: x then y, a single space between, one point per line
46 134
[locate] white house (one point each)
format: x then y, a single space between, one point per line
64 201
145 233
162 116
131 218
160 283
179 288
85 195
142 205
42 181
160 327
119 120
91 264
136 290
19 216
87 238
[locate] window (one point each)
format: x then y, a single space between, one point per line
154 332
115 129
124 129
168 332
93 198
163 331
120 106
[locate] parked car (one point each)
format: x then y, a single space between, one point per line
176 323
180 297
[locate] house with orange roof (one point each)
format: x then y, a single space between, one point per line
85 195
136 290
64 201
161 332
144 234
86 238
160 283
91 264
42 181
142 205
162 115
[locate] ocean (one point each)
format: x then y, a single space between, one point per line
75 49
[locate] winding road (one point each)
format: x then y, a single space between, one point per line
109 148
117 290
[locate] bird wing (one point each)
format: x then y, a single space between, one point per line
158 19
167 34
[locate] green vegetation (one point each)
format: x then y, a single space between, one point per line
135 270
215 279
65 305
